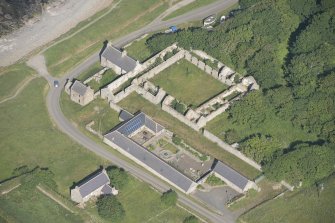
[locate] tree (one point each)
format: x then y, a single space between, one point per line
306 163
191 219
169 198
117 176
110 208
263 149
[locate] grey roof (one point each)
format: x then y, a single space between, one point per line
150 160
125 116
94 182
230 174
131 125
79 87
106 189
115 56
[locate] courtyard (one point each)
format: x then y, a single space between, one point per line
188 83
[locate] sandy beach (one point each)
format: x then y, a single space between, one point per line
54 22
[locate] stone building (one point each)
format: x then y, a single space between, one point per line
80 93
117 60
94 186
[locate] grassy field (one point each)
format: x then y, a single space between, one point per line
188 83
187 8
253 198
142 204
98 111
128 16
11 77
134 102
28 137
96 67
273 126
305 206
138 50
107 78
33 206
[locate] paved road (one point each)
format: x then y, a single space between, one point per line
65 126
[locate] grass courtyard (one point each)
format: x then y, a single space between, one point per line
135 102
188 83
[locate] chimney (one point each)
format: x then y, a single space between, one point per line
124 53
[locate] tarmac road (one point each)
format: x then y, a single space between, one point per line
65 126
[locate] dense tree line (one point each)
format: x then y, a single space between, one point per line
289 47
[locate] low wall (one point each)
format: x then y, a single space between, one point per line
154 71
147 95
115 107
122 94
231 150
180 117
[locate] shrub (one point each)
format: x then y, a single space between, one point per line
169 198
110 208
191 219
117 176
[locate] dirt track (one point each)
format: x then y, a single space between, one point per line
52 23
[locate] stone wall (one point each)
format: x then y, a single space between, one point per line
150 97
231 150
122 94
156 70
97 76
166 107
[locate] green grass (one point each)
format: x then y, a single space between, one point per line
33 206
11 77
214 181
134 102
194 5
107 78
96 67
304 206
98 111
273 126
141 204
128 16
253 198
139 50
28 137
188 83
168 146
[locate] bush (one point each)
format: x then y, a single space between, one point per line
117 176
214 181
176 140
169 198
191 219
110 208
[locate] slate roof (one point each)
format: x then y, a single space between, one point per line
79 87
120 138
230 174
131 125
125 116
94 182
115 56
106 189
150 159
